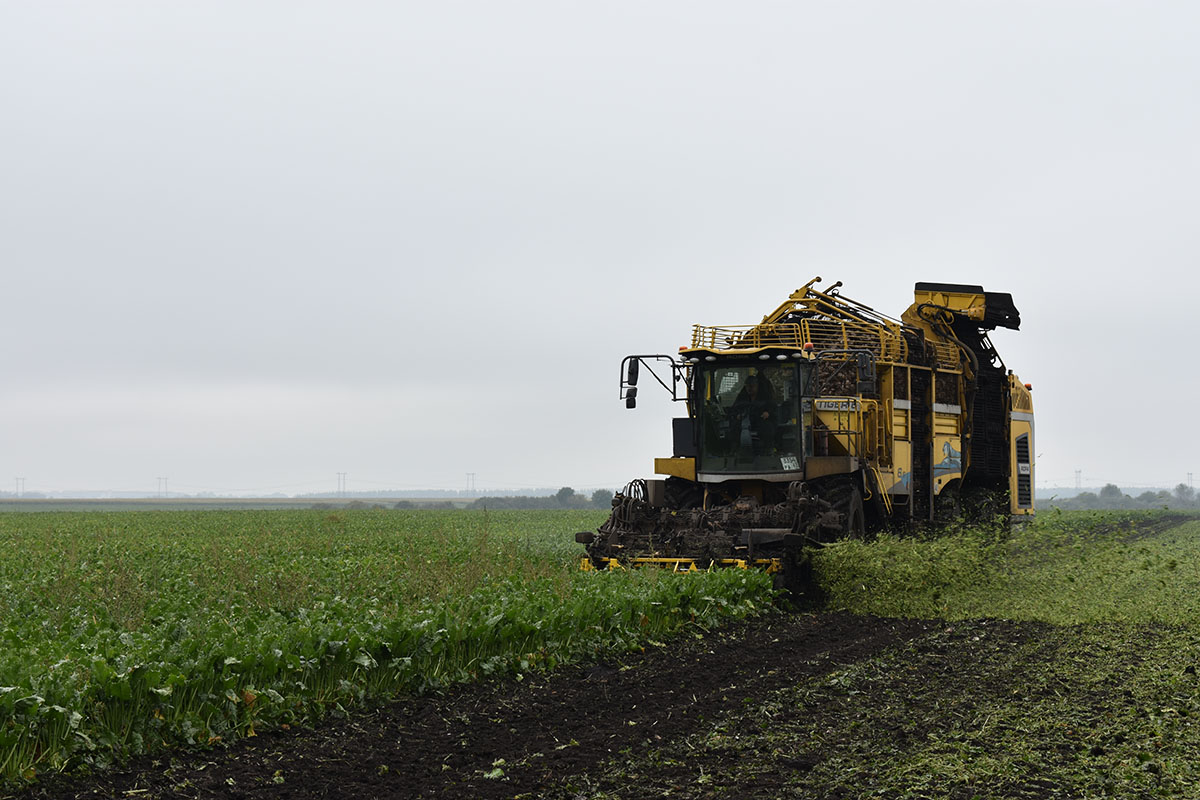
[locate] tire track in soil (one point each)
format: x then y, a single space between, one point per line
930 681
546 728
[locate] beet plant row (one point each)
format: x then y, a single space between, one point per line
124 633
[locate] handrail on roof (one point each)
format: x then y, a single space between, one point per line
827 320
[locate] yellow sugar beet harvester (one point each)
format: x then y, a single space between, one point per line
826 420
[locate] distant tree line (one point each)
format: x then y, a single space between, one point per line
565 497
1111 497
456 495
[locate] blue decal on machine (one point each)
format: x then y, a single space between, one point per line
951 461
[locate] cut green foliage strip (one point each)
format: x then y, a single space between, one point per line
1068 567
125 632
980 709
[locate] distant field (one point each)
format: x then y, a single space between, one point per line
121 632
209 503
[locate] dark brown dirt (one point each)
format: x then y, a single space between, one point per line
515 739
1148 529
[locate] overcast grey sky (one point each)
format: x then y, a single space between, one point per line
247 246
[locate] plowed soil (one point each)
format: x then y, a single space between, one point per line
581 732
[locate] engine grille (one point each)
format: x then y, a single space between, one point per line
1024 473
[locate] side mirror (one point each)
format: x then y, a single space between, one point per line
631 377
631 396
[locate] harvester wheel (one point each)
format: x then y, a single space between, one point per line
947 507
795 578
856 518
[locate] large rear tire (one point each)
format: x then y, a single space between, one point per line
856 518
947 506
796 580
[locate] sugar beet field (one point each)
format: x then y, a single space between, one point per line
372 653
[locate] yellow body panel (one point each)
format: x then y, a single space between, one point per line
971 305
947 461
1021 449
902 455
676 467
1021 494
947 424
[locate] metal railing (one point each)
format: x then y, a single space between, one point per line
886 344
